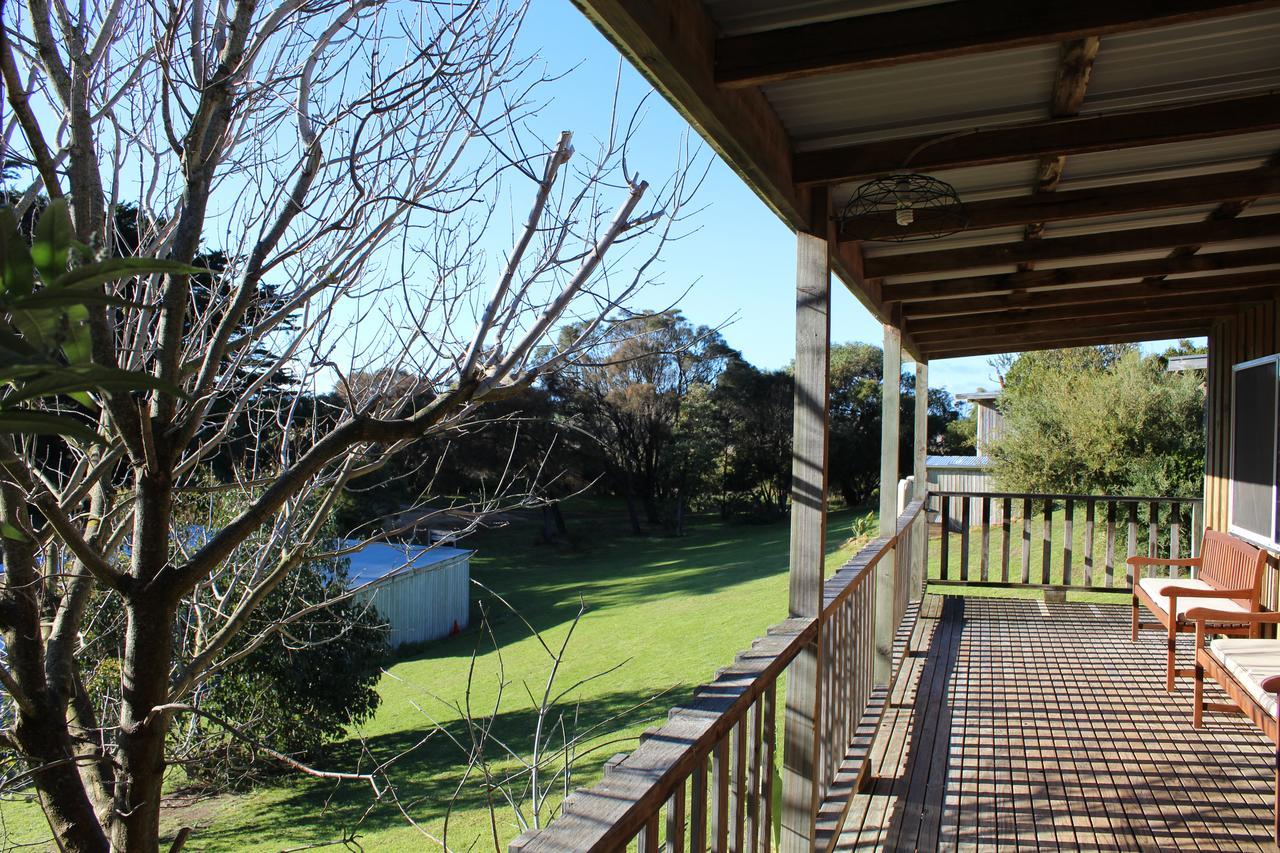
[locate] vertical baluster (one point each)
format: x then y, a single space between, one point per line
698 798
984 571
1111 543
1131 546
964 538
647 840
1026 540
1046 542
1175 530
946 537
1088 542
767 741
1006 509
753 779
675 820
1197 510
1068 540
720 797
1153 529
739 820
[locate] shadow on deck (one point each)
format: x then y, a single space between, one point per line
1020 724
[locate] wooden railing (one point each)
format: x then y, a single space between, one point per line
1049 541
705 779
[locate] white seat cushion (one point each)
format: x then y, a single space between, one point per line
1251 662
1154 587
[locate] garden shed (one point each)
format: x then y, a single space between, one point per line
422 592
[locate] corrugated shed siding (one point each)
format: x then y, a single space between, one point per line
962 480
424 604
1252 333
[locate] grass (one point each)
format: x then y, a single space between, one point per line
667 612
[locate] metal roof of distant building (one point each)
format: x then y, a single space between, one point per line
379 560
957 461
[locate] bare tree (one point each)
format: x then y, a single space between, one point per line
352 159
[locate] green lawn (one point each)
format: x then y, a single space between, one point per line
667 612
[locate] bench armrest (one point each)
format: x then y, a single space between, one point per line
1208 614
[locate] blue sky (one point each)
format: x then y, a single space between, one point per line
738 266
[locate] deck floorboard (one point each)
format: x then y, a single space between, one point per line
1021 725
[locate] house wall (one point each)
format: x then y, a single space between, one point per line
424 604
990 426
1251 333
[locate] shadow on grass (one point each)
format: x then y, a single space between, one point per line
612 569
427 777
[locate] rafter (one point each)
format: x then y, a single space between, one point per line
1031 140
1119 335
1063 248
1209 304
1091 295
1089 203
1033 280
940 31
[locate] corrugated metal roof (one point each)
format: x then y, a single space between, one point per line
969 462
1204 59
943 95
379 560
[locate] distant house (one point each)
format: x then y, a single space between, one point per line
423 593
970 473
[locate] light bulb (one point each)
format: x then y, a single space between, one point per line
904 215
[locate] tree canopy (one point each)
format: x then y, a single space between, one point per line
1100 420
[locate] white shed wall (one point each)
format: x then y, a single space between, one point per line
424 603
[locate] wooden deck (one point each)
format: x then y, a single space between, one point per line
1024 725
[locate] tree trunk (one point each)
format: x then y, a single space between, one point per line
62 793
633 512
558 516
147 661
548 524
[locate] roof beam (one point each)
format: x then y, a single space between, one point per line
1032 330
1042 139
1090 203
1209 304
1091 295
1033 280
940 31
1061 248
993 345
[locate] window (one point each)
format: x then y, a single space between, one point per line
1254 495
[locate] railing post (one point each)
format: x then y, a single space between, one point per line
1197 527
891 386
920 446
801 731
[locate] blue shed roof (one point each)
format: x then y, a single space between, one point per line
378 560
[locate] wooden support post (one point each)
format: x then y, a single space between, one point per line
889 408
919 564
808 538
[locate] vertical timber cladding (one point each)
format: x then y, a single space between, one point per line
1251 333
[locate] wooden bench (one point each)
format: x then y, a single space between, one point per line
1248 671
1227 578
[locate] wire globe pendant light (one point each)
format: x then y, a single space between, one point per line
902 208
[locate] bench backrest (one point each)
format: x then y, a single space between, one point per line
1232 563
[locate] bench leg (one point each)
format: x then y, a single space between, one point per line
1276 822
1170 674
1197 708
1135 618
